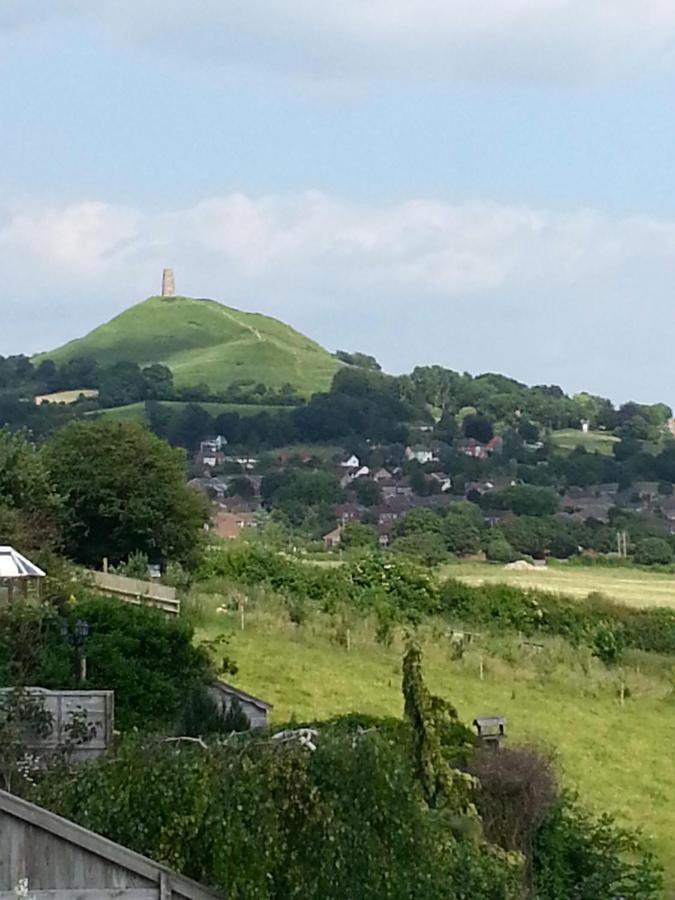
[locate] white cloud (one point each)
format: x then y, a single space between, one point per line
563 40
538 294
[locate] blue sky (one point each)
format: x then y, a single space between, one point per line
488 187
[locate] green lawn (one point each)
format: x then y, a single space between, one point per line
625 585
598 441
618 758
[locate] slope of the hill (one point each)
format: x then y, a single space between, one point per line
203 341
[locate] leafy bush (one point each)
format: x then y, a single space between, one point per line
498 549
271 819
577 855
148 659
427 549
653 551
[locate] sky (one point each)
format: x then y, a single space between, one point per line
485 186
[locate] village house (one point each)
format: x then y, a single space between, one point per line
475 449
214 488
352 462
211 452
348 512
393 488
346 476
331 541
420 454
381 475
229 525
442 480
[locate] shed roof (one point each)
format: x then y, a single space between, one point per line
230 689
13 807
14 565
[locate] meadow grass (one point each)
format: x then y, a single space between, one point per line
631 586
136 411
618 757
593 441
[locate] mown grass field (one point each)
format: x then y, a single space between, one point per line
618 758
635 587
593 441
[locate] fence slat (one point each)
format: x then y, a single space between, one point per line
137 592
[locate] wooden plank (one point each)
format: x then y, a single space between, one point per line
130 893
96 844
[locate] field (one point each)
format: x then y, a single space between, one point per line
136 411
619 758
67 397
205 342
625 585
593 441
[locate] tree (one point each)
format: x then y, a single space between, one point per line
29 503
653 551
368 492
241 486
120 384
528 500
426 548
418 521
158 382
461 531
356 536
478 427
123 491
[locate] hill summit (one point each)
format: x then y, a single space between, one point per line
205 342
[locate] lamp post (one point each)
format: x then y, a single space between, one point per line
76 636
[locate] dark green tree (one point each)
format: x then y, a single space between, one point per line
123 490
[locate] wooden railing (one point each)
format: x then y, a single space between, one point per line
134 590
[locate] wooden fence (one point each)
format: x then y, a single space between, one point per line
64 707
133 590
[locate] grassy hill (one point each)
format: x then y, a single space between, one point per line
205 342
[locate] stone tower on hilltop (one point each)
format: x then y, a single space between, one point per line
168 283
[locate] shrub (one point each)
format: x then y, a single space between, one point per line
517 790
264 818
653 551
531 611
498 549
426 548
577 855
148 659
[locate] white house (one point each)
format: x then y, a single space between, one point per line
352 463
420 454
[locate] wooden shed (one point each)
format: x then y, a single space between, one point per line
63 861
254 708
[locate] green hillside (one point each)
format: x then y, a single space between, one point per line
203 341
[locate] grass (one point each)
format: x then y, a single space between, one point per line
136 411
618 758
634 587
593 441
205 342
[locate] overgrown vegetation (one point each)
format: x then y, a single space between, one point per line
355 807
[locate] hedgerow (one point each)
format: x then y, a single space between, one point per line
531 611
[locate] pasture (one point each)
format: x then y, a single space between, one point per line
632 586
619 757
